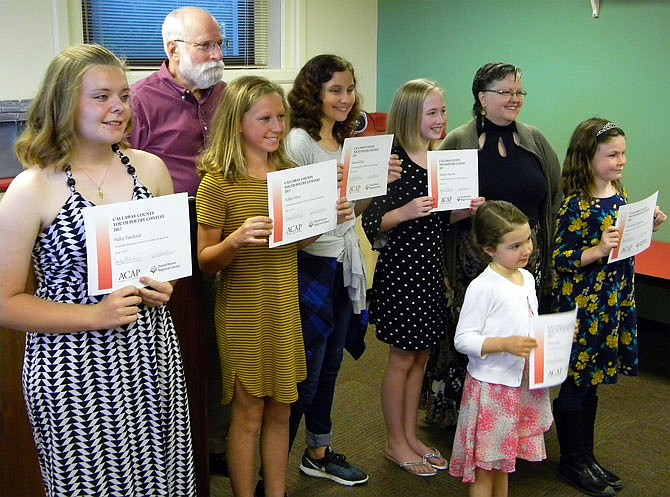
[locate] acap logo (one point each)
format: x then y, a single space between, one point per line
128 275
296 228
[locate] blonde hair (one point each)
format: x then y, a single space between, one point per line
406 112
225 152
51 133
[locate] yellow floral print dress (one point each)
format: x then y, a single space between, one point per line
606 341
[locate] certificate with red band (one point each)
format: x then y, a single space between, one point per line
366 163
636 226
128 240
301 201
548 362
453 178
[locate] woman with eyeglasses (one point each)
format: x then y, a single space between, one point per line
516 164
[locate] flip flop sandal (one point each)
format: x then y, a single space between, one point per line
434 455
410 465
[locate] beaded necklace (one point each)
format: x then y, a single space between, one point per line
124 160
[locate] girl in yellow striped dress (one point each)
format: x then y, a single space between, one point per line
256 315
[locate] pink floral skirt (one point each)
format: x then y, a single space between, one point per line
497 424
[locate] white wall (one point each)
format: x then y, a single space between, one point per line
33 31
27 41
347 28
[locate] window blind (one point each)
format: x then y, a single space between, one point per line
132 28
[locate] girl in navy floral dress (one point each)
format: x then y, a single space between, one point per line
606 340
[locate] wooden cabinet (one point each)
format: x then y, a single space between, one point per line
19 471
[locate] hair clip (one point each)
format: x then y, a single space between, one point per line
606 128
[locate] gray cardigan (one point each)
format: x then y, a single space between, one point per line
532 140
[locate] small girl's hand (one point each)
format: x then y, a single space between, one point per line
156 293
254 231
608 240
119 308
520 346
345 210
395 169
417 207
659 218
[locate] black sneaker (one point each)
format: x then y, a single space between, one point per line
334 467
218 465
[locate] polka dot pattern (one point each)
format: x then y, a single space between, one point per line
408 303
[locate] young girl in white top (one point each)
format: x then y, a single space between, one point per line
500 419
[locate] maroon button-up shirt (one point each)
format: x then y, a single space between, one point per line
170 122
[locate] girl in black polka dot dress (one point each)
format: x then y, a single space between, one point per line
408 304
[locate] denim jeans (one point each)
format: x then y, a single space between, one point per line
315 394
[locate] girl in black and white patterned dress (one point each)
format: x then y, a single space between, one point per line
408 304
102 375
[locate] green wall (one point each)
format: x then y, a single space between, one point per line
575 66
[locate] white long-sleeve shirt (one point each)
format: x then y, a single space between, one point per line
495 307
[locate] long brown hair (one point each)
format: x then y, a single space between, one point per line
305 97
577 174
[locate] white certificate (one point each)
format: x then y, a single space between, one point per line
453 179
366 164
636 225
549 361
127 240
301 202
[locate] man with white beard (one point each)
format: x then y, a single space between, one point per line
172 111
173 108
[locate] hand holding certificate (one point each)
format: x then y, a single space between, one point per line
365 161
302 202
636 223
549 361
453 179
127 240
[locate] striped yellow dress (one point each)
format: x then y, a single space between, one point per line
257 315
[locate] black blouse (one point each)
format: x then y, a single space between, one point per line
516 178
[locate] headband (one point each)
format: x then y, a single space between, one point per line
607 127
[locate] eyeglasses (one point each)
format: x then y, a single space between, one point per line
205 46
509 93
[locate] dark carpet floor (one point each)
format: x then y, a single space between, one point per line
632 438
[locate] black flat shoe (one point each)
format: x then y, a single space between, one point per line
260 489
607 476
218 464
584 478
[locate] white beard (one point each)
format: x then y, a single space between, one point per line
203 76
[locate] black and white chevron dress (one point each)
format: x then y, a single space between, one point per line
108 408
